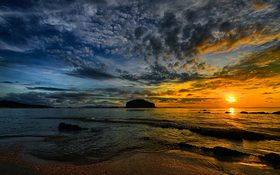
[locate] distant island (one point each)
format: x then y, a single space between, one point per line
140 103
12 104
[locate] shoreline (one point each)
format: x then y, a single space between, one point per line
128 164
168 163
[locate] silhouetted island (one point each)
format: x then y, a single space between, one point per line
277 112
140 103
12 104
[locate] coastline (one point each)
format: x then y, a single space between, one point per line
139 163
168 163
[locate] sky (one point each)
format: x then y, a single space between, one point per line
179 53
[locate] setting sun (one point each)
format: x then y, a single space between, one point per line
231 99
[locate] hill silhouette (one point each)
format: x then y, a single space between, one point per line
12 104
140 103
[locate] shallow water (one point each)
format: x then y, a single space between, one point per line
112 132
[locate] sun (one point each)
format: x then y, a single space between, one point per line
231 99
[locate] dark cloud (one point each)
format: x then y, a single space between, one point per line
60 98
139 32
158 73
155 44
29 98
92 73
184 90
49 89
94 97
71 95
8 82
183 101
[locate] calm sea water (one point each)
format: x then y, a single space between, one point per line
112 132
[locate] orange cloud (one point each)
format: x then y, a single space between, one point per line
254 82
227 44
259 5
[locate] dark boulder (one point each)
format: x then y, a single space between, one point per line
227 112
68 127
186 146
225 152
277 112
243 112
140 103
273 159
258 113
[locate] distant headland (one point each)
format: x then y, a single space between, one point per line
12 104
140 103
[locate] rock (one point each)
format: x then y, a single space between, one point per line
258 113
140 103
227 112
245 112
207 112
206 150
68 127
277 112
233 134
225 152
146 138
186 146
273 159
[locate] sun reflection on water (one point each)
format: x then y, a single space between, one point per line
231 110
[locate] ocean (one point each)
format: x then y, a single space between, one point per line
112 132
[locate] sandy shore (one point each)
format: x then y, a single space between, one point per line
171 163
139 163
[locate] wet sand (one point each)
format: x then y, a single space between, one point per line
171 163
139 163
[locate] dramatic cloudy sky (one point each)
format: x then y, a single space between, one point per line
174 53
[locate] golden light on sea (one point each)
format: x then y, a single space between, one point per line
231 110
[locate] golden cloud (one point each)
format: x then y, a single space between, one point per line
226 44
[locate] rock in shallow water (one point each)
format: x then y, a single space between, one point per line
68 127
221 151
273 159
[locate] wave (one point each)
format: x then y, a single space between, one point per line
226 154
230 134
25 135
233 134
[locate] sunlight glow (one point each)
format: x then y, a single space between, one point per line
231 99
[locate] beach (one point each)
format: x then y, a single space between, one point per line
138 164
124 141
133 164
